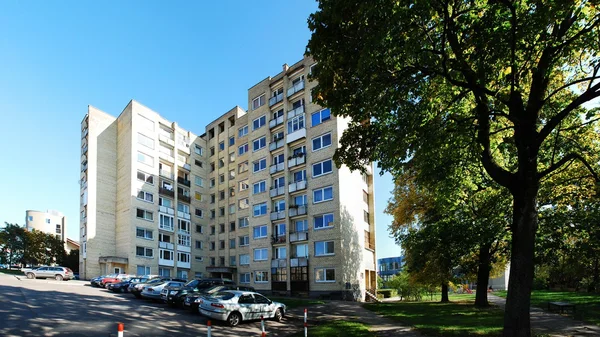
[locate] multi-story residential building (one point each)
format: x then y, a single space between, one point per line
388 267
272 210
51 222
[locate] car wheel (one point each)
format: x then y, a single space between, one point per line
278 315
58 277
234 319
121 290
30 276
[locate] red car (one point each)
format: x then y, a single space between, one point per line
114 278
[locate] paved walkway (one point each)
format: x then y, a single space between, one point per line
544 322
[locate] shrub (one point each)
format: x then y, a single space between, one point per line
387 293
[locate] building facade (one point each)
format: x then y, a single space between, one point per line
388 267
50 222
266 205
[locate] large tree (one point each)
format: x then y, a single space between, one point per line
520 71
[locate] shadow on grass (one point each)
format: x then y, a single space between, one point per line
337 329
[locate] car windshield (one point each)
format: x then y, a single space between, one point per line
222 296
191 283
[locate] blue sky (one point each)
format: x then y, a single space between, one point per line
189 61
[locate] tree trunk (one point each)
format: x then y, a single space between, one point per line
483 276
445 292
516 313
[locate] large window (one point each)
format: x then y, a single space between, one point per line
166 254
258 102
323 248
320 116
243 131
260 209
146 123
244 277
244 240
183 240
244 259
300 250
242 149
261 254
166 222
145 177
261 276
322 168
299 176
145 159
324 221
144 214
296 123
145 196
325 275
199 150
321 142
183 257
259 165
243 222
198 181
143 233
259 187
143 270
323 194
259 143
146 141
259 122
280 253
301 225
259 232
144 251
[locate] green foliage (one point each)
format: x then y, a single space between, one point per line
19 246
337 329
379 282
387 293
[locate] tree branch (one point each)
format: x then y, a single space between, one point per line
571 156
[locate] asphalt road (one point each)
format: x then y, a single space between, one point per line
74 309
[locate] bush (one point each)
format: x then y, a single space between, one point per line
387 293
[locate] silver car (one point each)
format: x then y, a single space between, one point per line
57 273
235 306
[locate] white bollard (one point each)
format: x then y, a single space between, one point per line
305 325
208 326
262 326
120 328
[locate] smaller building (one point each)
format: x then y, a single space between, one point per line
387 267
50 222
71 245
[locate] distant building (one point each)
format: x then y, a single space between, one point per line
51 222
389 266
71 245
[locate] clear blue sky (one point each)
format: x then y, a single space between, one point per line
190 61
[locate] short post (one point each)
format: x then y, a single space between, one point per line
262 326
305 325
208 326
120 328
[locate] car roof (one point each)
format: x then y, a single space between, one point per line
241 292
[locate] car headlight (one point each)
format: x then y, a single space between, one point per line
198 300
173 292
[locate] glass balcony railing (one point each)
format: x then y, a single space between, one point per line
295 88
276 99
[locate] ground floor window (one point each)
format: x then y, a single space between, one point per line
299 273
143 270
164 272
325 275
279 274
245 278
182 274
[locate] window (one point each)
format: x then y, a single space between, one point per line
212 198
324 221
145 159
261 276
365 197
301 225
259 122
244 240
198 259
199 229
280 253
198 196
183 257
300 200
221 211
244 277
259 187
164 237
243 222
231 141
259 232
164 272
212 182
221 194
222 245
258 102
31 217
59 229
278 205
144 214
146 141
166 254
144 251
145 177
221 178
221 162
166 222
259 143
321 142
278 159
261 254
213 229
296 123
184 226
322 168
259 165
279 230
243 185
278 182
183 208
198 244
243 203
231 174
146 123
244 259
231 208
232 260
324 275
198 163
243 131
278 113
366 216
242 149
145 196
221 146
198 150
320 117
198 181
323 248
212 151
243 167
323 194
299 175
232 157
231 243
143 233
301 250
143 270
260 209
232 226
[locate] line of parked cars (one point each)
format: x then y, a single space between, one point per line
56 272
212 297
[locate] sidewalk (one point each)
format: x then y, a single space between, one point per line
550 323
352 311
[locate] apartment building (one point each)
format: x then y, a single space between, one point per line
269 208
142 178
50 222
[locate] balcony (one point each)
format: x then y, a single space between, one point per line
184 198
183 146
84 149
277 215
277 168
165 191
297 186
186 249
298 236
296 160
84 133
166 245
275 191
163 262
274 122
299 261
297 111
165 228
295 88
183 215
166 157
278 263
84 167
294 136
166 210
183 265
166 174
276 144
278 239
296 210
275 99
183 181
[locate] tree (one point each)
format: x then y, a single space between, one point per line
11 240
515 74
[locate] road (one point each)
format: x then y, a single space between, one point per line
74 309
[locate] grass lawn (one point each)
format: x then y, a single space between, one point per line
12 272
296 302
457 318
336 329
587 306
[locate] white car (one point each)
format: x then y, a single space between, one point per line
152 291
235 306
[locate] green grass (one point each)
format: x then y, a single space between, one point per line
457 318
296 302
12 271
587 306
337 329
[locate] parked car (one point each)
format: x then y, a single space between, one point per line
235 306
57 272
153 291
123 286
113 279
136 288
176 295
191 300
95 282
